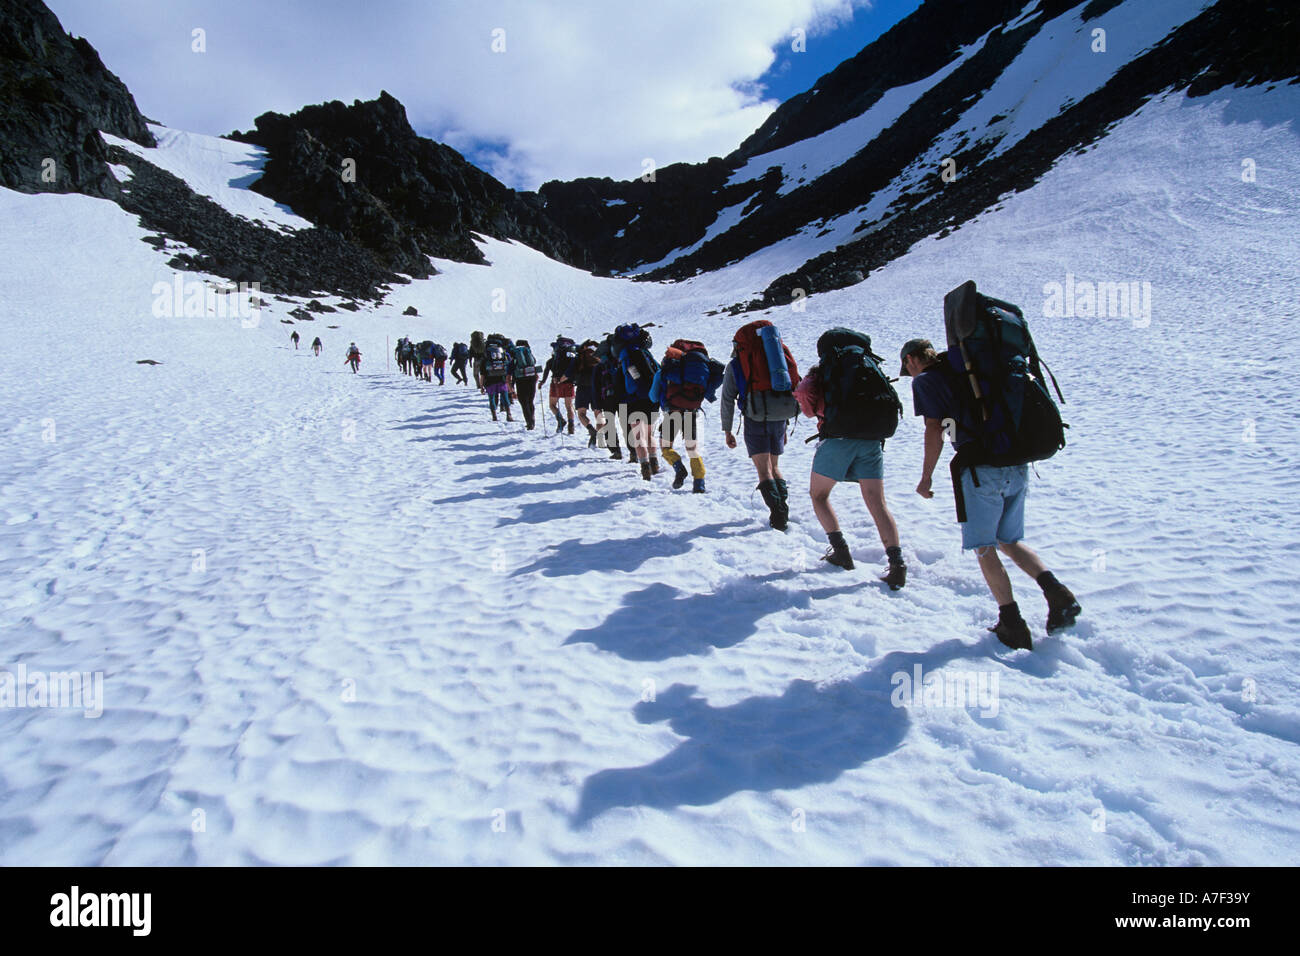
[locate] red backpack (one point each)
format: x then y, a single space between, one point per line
753 358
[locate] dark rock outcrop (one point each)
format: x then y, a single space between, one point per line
55 97
362 171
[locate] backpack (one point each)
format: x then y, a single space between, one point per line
860 401
439 352
459 351
997 378
476 343
766 364
690 376
425 350
495 362
638 365
525 367
564 353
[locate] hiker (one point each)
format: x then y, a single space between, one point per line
585 391
440 363
397 355
316 346
856 409
459 356
477 343
607 379
762 387
523 375
561 367
686 378
970 387
639 370
425 353
493 378
353 357
294 336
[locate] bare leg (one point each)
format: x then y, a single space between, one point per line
1025 558
819 489
873 493
995 575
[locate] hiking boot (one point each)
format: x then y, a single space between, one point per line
1062 608
645 470
680 478
783 496
508 418
494 414
896 576
654 465
570 426
838 552
591 436
559 425
616 453
772 498
697 487
1011 628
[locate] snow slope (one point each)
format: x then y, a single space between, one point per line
350 619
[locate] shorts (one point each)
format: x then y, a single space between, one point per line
676 421
561 389
426 361
586 397
995 510
499 388
641 411
764 438
850 459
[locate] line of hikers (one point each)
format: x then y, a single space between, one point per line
985 394
427 359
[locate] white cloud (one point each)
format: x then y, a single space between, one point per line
584 88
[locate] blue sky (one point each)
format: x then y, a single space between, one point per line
529 89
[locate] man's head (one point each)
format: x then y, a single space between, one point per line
917 355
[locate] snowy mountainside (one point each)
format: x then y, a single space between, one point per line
349 619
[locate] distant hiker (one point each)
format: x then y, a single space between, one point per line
761 379
562 367
316 346
585 397
991 366
493 377
353 357
639 370
611 394
523 374
505 343
425 352
684 381
459 356
477 343
856 409
440 363
294 337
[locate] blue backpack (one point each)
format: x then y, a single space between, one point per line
688 376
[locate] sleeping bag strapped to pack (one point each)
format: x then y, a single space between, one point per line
525 366
765 362
997 378
860 401
689 376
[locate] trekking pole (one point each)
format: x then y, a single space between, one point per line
974 382
386 344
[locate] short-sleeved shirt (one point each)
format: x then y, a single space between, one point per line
932 397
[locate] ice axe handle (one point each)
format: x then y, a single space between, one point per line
974 382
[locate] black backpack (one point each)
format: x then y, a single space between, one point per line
439 352
494 363
860 401
997 378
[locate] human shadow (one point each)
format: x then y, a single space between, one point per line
662 621
625 554
540 512
508 443
809 734
516 489
487 459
